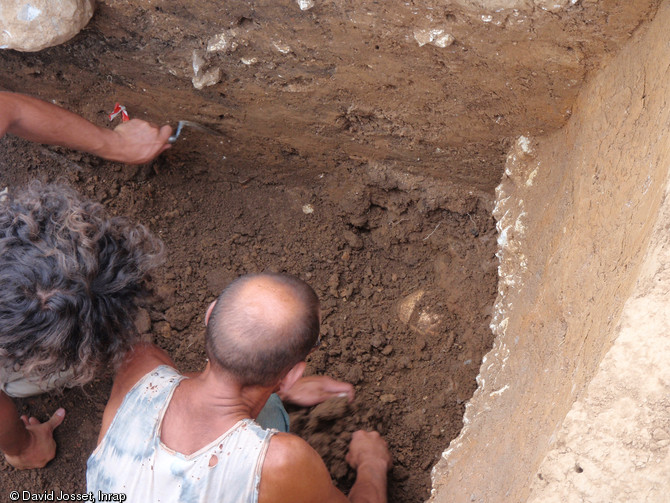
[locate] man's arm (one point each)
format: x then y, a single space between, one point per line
313 390
132 142
139 361
293 472
370 457
26 442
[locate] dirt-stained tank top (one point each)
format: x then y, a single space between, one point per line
131 459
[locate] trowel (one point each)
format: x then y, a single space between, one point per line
193 125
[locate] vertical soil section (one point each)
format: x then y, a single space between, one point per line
340 81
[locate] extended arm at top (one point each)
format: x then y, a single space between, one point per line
132 142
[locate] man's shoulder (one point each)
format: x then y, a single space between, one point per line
293 471
154 379
139 361
286 449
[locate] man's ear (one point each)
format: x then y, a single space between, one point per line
209 312
293 375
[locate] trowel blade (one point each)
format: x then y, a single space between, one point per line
193 125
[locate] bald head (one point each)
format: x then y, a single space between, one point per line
261 326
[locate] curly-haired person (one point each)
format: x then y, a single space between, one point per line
71 277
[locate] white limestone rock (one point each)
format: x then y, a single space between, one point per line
203 74
438 37
33 25
555 5
305 4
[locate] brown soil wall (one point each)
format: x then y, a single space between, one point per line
341 81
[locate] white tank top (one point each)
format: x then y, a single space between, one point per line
131 458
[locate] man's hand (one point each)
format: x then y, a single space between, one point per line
370 457
41 447
312 390
138 142
368 448
132 142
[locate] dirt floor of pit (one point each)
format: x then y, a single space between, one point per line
368 244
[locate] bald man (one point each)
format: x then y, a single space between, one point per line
165 437
132 142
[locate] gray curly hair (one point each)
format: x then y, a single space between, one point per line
70 281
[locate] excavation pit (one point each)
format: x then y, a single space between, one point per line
376 184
